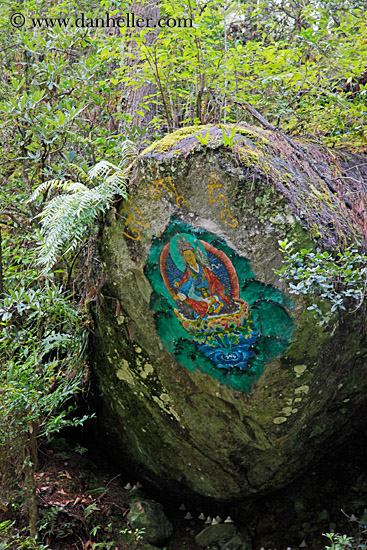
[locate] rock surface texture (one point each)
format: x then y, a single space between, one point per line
215 534
149 516
215 380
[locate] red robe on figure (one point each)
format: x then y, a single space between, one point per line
215 288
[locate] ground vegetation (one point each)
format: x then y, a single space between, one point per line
69 107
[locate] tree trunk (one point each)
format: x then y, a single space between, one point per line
31 498
1 267
137 96
30 467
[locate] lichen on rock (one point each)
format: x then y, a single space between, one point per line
213 376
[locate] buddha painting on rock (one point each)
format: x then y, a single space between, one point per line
199 288
204 286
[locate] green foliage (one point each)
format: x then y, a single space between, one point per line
42 350
69 217
48 521
54 100
302 64
42 353
11 537
339 542
58 112
228 140
135 540
203 139
334 277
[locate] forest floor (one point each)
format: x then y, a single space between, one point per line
83 504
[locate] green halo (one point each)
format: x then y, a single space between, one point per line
174 249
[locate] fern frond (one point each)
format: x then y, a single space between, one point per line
81 174
45 186
68 218
102 169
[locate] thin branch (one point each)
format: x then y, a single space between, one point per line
272 128
9 47
10 215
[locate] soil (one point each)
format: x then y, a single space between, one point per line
83 504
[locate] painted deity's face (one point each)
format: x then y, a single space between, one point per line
190 258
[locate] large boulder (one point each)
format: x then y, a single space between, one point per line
215 380
215 534
148 517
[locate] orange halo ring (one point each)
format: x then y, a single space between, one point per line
209 248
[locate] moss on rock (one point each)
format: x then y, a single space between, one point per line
187 425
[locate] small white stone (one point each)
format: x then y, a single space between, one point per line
182 508
202 516
208 520
188 516
230 520
303 544
219 519
215 522
139 485
128 487
134 488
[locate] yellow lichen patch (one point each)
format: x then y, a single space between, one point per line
165 397
247 155
302 389
300 369
146 371
163 401
280 420
125 374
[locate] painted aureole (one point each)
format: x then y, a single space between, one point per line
203 283
210 311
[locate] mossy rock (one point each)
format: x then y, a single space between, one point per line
215 380
216 534
148 517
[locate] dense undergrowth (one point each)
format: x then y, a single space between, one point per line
64 108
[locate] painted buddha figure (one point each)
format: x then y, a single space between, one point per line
203 283
199 288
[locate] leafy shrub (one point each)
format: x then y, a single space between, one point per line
68 218
42 351
339 542
334 277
